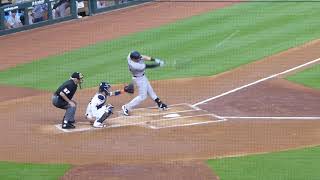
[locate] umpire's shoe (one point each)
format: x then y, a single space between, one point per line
68 126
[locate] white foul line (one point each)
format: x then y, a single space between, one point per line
272 117
256 82
188 124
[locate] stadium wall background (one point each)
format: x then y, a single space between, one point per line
26 8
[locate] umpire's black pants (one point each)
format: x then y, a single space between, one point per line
62 104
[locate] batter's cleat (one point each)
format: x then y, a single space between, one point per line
98 125
125 110
68 126
163 106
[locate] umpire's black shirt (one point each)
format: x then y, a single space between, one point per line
69 88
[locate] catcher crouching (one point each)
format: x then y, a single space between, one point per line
97 110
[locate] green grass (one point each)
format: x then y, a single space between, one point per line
302 164
308 77
26 171
203 45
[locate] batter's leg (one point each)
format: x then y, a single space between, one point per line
154 97
150 90
142 89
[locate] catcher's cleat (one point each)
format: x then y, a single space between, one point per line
163 106
98 125
68 126
125 110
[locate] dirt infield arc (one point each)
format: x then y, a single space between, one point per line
177 152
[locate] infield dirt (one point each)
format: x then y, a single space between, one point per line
167 153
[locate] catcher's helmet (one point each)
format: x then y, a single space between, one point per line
104 87
135 55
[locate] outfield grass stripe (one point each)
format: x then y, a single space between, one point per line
28 171
308 77
287 165
198 46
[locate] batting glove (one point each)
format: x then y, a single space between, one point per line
160 62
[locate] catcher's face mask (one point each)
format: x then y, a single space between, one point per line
79 76
104 87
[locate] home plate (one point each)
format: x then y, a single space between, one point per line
171 115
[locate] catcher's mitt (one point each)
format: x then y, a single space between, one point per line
129 88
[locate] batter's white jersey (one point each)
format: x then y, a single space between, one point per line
96 108
136 68
140 79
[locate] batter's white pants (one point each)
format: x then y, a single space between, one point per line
144 89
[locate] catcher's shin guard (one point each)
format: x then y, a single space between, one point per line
104 116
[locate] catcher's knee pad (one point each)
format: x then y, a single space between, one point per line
109 109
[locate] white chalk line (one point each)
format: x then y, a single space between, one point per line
58 126
188 124
256 82
171 105
145 123
199 109
217 45
273 117
227 38
160 120
160 112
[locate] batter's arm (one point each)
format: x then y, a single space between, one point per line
147 58
159 62
152 65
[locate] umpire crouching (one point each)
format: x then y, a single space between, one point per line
62 99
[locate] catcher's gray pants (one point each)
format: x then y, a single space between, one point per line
62 104
144 89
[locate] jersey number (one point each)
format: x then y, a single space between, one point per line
66 91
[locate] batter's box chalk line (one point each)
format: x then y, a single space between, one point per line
273 117
162 112
148 123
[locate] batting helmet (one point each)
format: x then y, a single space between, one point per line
135 55
104 87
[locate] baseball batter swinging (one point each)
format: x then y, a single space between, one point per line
137 68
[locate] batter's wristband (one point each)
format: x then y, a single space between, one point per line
152 65
152 59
